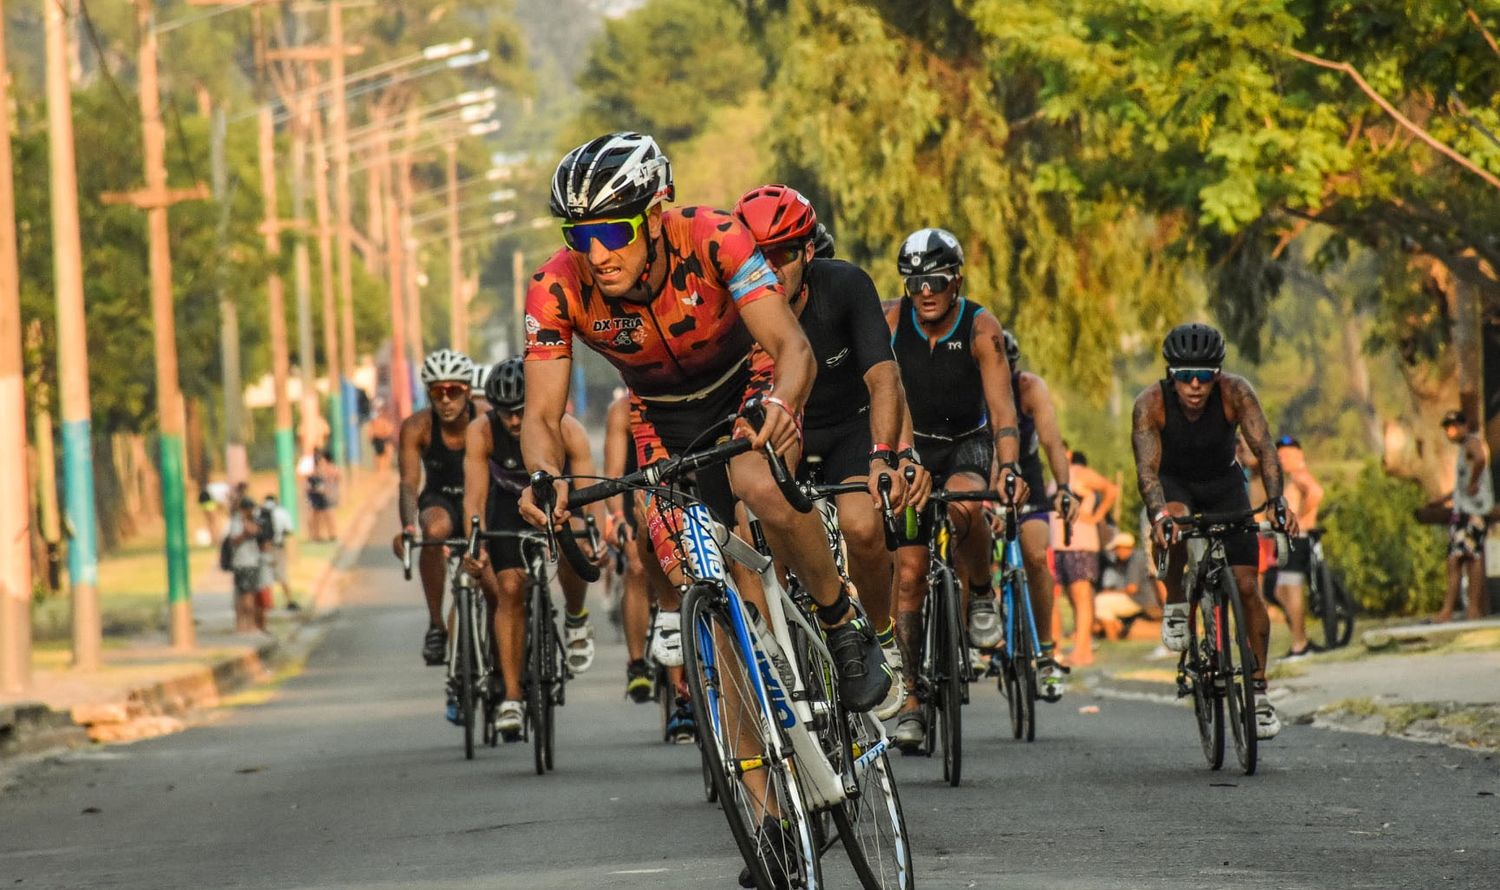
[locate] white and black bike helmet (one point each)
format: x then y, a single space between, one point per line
446 365
615 175
929 250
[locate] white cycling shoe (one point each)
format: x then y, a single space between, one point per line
896 696
1267 721
666 639
1174 626
508 719
579 641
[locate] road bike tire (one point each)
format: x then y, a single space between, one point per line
734 733
1239 685
556 685
465 670
872 824
951 662
1346 607
1025 666
536 689
1208 705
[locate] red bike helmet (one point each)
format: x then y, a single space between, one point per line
777 214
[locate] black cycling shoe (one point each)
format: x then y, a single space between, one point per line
864 677
435 646
776 847
638 681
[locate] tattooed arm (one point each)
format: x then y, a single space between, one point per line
1147 420
1242 405
989 354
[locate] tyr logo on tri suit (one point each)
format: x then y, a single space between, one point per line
955 344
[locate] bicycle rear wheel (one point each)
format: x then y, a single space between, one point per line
952 657
760 795
1239 687
1201 663
1335 608
871 824
465 670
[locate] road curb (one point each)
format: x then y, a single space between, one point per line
160 707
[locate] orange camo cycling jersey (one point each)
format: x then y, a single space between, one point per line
688 336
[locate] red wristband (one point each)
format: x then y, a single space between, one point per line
796 419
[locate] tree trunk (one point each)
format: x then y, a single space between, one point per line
1352 338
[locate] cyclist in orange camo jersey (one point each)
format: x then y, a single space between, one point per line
688 310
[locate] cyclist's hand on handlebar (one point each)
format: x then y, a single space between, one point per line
1012 487
897 493
779 429
475 565
1165 532
1066 504
1282 517
918 485
398 542
533 514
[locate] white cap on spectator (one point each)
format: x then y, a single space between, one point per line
1122 539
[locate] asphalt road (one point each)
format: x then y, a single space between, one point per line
349 777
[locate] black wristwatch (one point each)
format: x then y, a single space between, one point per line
909 453
884 454
1014 467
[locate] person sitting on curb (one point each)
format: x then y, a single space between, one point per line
1126 589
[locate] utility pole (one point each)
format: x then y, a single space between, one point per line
458 310
325 271
307 368
15 500
345 232
72 347
413 262
275 292
395 262
518 302
155 199
236 460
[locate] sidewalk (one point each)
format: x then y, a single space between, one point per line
146 688
1432 683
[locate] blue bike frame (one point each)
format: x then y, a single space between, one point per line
1015 566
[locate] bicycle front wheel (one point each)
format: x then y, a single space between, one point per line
759 793
538 695
465 671
951 662
1023 666
1239 685
871 824
1200 663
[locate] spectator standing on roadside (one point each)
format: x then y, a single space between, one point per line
276 524
1303 495
322 485
1127 590
1077 558
1473 499
381 432
247 564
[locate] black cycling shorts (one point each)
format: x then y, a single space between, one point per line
1225 494
505 516
841 451
663 429
972 452
431 497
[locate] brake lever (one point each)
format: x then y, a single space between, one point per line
887 517
546 500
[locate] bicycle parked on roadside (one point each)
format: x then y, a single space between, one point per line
1327 597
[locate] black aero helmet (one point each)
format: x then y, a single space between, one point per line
618 174
1012 349
506 386
822 242
1193 345
929 250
